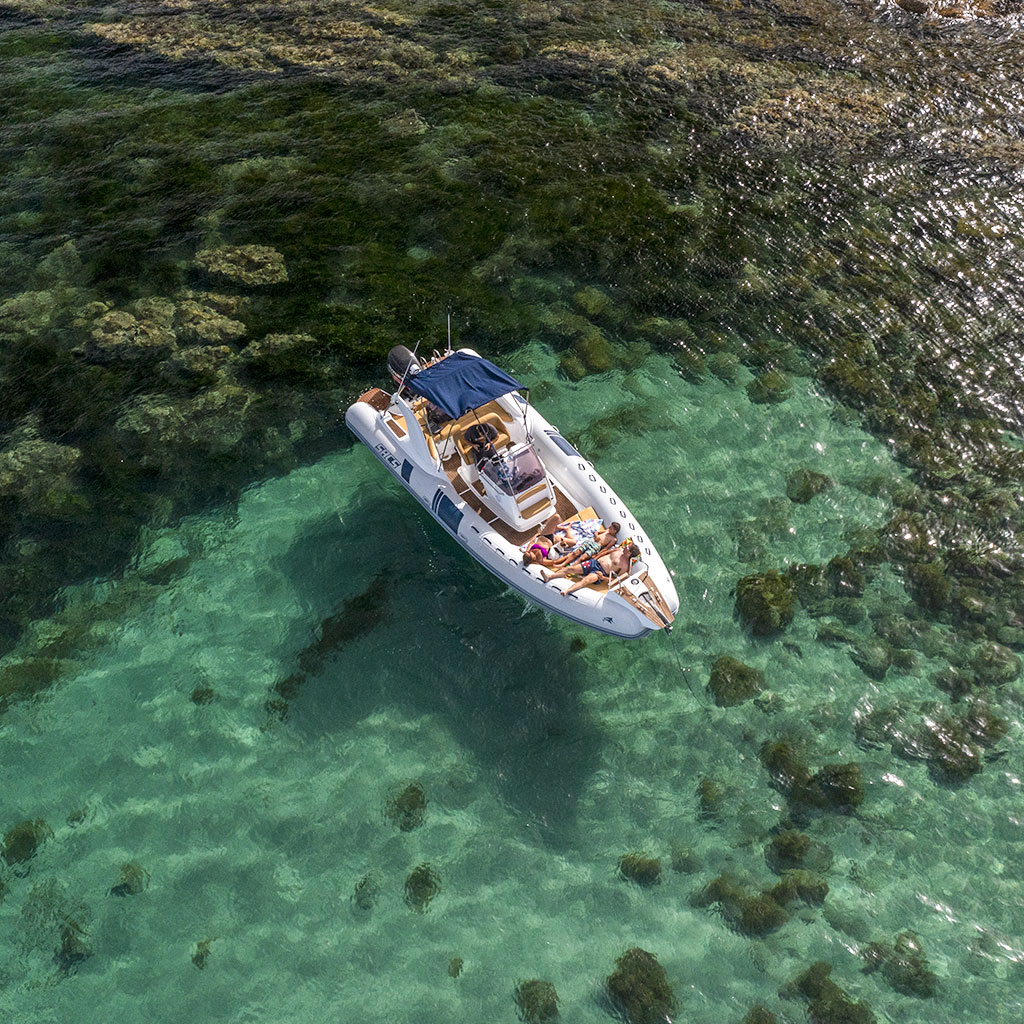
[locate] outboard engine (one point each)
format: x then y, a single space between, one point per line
403 364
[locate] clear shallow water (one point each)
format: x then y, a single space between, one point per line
542 765
829 191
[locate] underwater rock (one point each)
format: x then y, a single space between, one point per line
73 948
844 578
23 840
283 356
724 365
995 665
955 682
803 484
984 726
685 860
928 585
836 787
791 849
536 1001
422 885
809 584
784 765
904 965
769 388
689 364
455 966
639 988
200 324
800 884
711 798
365 893
406 124
202 953
594 351
732 682
765 602
407 808
244 264
572 366
21 680
160 428
593 301
760 1015
828 1003
787 850
847 610
359 615
133 879
872 657
53 923
746 912
197 365
119 336
202 695
949 749
32 470
639 868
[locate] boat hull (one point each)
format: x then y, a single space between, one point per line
607 611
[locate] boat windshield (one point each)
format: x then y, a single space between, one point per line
515 472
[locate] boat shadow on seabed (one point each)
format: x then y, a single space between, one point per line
508 694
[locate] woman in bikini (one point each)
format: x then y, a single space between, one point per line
541 549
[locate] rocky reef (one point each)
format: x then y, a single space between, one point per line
834 787
903 965
765 602
732 682
23 840
407 808
641 869
639 988
422 885
536 1001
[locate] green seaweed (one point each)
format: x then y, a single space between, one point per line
639 868
407 808
536 1001
732 682
639 988
133 879
422 885
23 841
765 602
828 1003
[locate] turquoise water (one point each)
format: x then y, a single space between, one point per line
541 763
235 656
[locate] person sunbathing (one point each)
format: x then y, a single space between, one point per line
589 547
543 548
596 570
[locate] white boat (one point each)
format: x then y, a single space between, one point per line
495 508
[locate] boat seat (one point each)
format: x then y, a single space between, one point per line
502 440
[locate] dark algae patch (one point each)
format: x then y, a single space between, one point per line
407 808
639 988
536 1001
23 840
422 885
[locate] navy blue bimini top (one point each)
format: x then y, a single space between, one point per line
461 382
